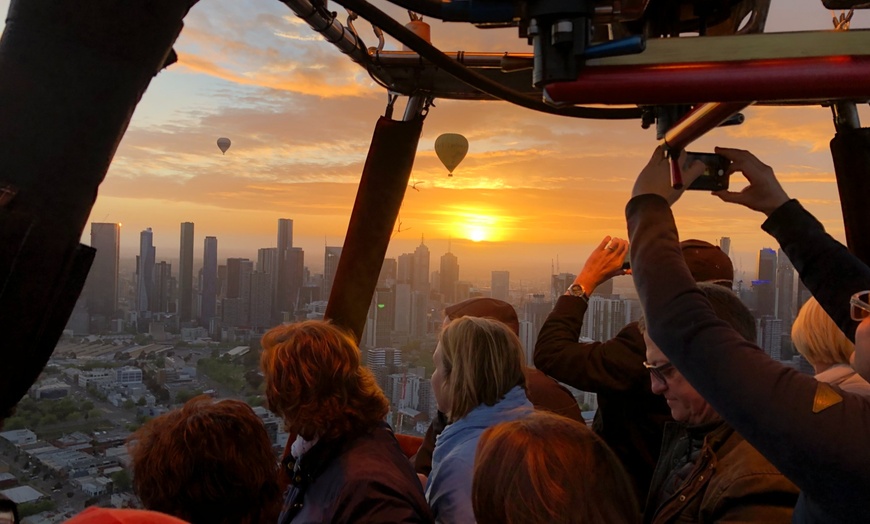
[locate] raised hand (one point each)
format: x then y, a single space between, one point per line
655 178
604 263
764 193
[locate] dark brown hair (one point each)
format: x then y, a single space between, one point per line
315 381
206 462
546 468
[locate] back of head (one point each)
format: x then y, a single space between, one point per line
729 308
818 339
206 462
315 381
95 515
707 263
7 506
483 360
546 468
487 308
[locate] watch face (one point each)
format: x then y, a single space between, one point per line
577 290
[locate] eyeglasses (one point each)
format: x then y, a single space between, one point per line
660 372
860 303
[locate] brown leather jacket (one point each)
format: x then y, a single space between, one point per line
729 482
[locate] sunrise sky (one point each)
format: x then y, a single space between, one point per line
300 116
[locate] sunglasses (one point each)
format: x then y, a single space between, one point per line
661 371
860 303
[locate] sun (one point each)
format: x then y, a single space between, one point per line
476 233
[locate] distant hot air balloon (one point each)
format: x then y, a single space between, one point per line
451 149
224 144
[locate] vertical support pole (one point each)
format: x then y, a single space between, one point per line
381 191
850 150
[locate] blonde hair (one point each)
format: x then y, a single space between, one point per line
818 339
483 360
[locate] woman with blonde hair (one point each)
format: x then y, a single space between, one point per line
546 468
826 348
345 464
478 382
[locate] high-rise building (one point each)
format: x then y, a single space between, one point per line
234 276
261 300
331 256
605 317
405 268
294 265
449 276
164 289
725 245
535 310
785 291
501 283
765 285
379 323
145 271
208 286
101 287
769 335
185 273
420 272
267 260
281 298
559 284
387 277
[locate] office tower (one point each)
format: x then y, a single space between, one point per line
281 298
725 245
331 256
387 277
402 322
535 310
449 276
785 291
234 276
769 336
379 323
419 314
405 268
209 284
803 294
185 273
101 287
501 283
267 260
294 265
559 284
164 289
145 271
605 317
765 285
420 272
261 300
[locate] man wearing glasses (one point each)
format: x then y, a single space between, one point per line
707 472
812 432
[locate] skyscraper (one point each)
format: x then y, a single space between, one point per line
330 264
185 273
420 272
145 271
501 283
294 267
765 286
449 276
101 287
785 291
281 283
725 245
208 286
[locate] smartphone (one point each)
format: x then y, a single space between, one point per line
715 177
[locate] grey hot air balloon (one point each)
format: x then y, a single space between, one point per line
223 143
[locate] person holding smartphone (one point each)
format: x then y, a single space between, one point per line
815 434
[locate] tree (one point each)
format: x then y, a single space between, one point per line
142 402
128 404
121 480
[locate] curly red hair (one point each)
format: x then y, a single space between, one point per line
207 462
315 381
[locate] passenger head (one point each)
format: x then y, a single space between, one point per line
315 381
707 263
818 339
547 468
477 361
687 405
206 462
95 515
487 308
8 511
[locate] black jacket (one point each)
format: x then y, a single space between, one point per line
366 479
815 435
630 418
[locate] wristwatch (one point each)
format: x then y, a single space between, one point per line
577 290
